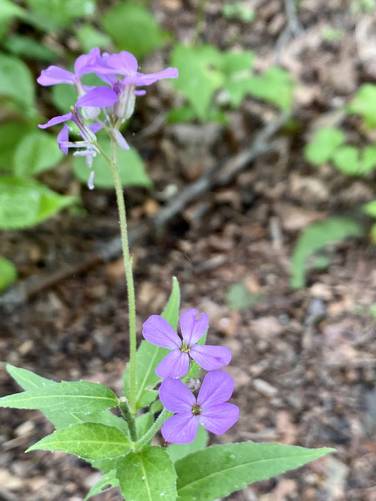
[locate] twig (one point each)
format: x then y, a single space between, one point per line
293 27
215 177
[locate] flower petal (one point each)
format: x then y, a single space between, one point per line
180 429
120 139
124 63
216 388
219 418
210 357
56 121
158 331
101 97
176 396
63 138
175 365
54 75
193 325
150 78
84 62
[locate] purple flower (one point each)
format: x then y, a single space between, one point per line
193 326
210 409
55 75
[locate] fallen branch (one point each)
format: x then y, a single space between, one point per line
215 177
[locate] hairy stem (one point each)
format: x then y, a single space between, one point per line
127 258
128 416
155 427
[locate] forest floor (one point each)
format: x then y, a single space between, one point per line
304 360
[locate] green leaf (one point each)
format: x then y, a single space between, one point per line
368 160
237 69
26 47
11 133
219 470
143 423
28 380
132 27
90 38
239 298
314 238
177 452
347 160
200 75
80 397
131 168
149 356
25 203
148 475
53 15
364 104
16 83
108 481
240 11
87 441
323 145
274 86
36 153
8 273
370 208
64 97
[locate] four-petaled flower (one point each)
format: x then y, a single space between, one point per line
210 409
193 326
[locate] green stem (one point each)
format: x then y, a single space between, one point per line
155 427
124 408
128 277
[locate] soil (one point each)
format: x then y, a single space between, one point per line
304 361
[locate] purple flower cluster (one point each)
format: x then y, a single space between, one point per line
105 106
210 408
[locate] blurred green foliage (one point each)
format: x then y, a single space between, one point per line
8 273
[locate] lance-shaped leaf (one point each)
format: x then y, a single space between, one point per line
149 356
81 397
87 441
28 380
148 475
219 470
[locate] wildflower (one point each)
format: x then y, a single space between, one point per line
193 326
210 409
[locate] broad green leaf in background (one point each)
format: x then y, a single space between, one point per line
316 237
149 356
133 27
108 481
240 10
26 47
219 470
52 15
64 97
11 133
90 38
131 168
8 273
323 145
78 396
364 104
370 208
87 441
179 451
36 153
200 75
237 66
148 475
347 160
17 83
274 86
25 203
8 11
240 298
368 160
